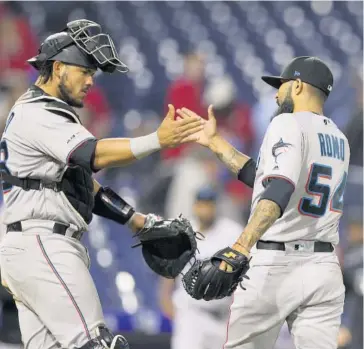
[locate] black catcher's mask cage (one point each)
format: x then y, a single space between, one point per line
81 43
88 36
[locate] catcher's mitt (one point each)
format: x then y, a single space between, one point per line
167 245
206 281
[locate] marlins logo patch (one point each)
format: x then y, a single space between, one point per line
279 148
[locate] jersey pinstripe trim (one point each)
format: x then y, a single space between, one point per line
64 286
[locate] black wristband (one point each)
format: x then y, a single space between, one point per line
278 190
110 205
247 173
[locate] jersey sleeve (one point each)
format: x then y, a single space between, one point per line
283 150
56 136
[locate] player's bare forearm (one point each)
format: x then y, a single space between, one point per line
165 297
113 152
137 221
229 155
264 216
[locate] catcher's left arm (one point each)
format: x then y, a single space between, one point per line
110 205
167 244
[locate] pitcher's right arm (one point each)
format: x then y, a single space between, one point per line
240 164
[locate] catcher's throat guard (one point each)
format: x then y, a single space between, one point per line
81 43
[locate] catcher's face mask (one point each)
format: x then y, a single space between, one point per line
88 37
82 43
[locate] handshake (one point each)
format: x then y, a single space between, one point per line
186 127
168 245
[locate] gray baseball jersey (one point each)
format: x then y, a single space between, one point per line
47 273
38 143
297 284
309 151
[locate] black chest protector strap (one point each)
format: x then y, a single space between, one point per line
76 184
30 183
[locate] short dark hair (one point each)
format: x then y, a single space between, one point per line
46 71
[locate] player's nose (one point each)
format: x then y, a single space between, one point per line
89 81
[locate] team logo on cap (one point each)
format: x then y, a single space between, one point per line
329 88
297 73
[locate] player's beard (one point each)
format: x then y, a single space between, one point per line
287 106
66 93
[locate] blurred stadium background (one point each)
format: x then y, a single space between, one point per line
192 54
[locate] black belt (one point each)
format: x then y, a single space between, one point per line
58 228
319 246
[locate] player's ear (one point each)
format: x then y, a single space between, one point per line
297 86
57 67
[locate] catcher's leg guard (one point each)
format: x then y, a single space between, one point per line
106 340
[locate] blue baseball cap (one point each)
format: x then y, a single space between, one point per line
207 193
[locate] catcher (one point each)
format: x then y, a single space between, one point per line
47 162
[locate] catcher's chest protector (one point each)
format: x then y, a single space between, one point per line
77 185
77 182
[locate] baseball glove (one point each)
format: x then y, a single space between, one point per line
167 245
206 281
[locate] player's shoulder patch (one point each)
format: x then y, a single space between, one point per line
62 109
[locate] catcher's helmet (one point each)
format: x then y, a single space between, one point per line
82 43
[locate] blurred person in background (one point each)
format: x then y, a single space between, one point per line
17 44
195 169
200 324
233 117
187 91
